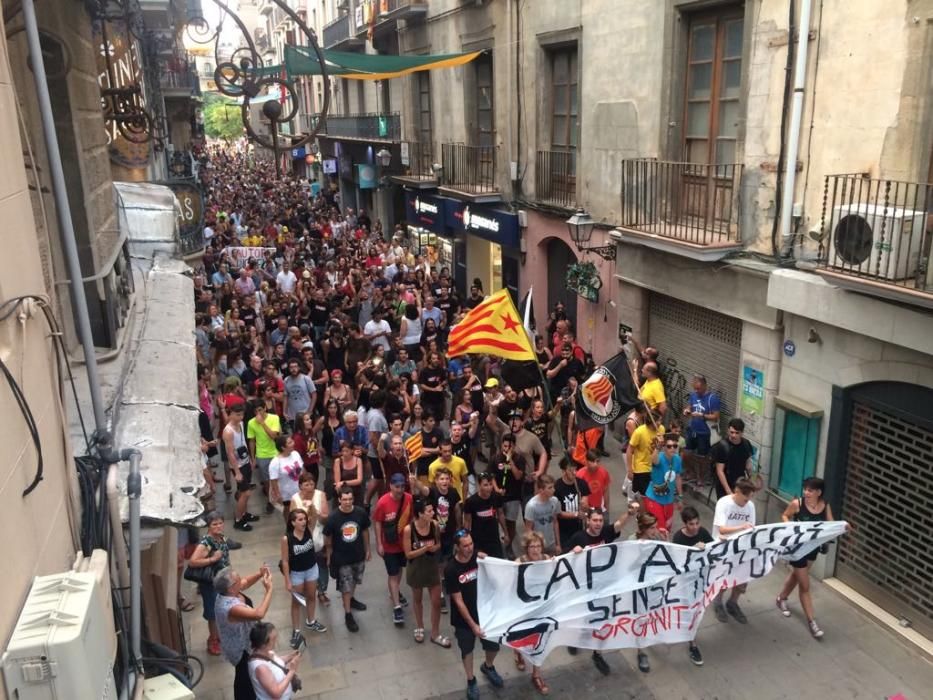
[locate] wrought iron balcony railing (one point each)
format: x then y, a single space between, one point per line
339 34
691 203
878 233
556 178
384 127
470 169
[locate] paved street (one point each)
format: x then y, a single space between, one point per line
772 658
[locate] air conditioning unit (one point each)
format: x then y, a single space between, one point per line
64 639
876 241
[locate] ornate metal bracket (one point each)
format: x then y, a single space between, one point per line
606 252
241 76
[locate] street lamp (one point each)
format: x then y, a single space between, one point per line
385 157
580 226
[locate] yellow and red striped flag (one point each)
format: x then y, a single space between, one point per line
413 445
492 328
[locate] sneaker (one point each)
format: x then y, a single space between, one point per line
733 609
351 622
357 605
402 600
213 646
398 616
233 544
695 656
781 604
249 517
242 525
297 640
643 664
472 690
572 651
269 509
315 626
600 663
720 612
492 675
815 630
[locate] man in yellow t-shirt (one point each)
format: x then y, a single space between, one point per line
639 455
261 432
456 465
652 391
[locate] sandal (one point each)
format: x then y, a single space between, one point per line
321 596
540 685
419 635
441 641
185 605
519 662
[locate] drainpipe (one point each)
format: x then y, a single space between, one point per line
65 225
793 136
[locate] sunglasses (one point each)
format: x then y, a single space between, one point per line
670 446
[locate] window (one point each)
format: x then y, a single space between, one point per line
714 73
564 98
423 97
485 123
796 442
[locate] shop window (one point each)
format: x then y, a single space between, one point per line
796 442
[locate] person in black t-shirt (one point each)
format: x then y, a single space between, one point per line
483 515
346 541
692 534
430 446
460 580
598 532
731 458
432 381
562 368
573 494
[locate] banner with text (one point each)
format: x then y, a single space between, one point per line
631 593
239 255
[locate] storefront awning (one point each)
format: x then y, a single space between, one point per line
301 60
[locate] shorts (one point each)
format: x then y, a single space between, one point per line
513 510
395 562
640 482
208 596
262 466
376 466
349 576
664 513
300 578
804 562
698 443
466 642
243 486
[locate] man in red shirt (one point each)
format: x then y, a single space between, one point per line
393 512
598 479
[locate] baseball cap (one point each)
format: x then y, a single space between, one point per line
307 345
491 382
516 413
397 480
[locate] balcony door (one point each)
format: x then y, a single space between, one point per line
564 124
712 113
485 116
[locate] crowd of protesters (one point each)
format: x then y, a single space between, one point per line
325 385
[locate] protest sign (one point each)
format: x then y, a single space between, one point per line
628 594
240 254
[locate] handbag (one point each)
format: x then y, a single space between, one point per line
200 574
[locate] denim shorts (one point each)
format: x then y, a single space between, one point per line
300 578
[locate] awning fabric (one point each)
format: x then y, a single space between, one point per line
301 60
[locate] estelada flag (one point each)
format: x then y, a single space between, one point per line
413 445
607 392
492 328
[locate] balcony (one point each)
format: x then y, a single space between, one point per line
390 11
182 83
366 127
470 171
307 122
556 178
688 209
419 172
875 237
337 35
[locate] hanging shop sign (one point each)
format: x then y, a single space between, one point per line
298 153
426 211
366 175
492 224
583 279
126 70
330 166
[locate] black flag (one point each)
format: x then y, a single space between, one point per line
606 394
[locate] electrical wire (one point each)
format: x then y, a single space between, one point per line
30 419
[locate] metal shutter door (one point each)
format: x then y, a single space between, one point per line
693 340
887 499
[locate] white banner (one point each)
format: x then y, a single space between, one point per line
240 254
630 593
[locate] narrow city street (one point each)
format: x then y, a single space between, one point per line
770 658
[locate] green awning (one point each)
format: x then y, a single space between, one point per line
301 60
